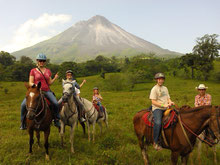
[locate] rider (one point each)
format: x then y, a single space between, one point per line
160 99
69 77
202 98
97 98
43 75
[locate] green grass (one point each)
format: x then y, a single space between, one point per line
117 145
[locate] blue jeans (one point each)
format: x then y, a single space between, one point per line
49 95
100 106
158 114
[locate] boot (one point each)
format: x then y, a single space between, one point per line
82 119
23 125
57 123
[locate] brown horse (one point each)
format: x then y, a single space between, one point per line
180 144
39 116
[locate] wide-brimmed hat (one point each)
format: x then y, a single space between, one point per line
201 86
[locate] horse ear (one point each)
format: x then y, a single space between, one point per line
39 85
26 84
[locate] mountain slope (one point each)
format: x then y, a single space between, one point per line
87 39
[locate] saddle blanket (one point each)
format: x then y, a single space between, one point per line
167 121
98 108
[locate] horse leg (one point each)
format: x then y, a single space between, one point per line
31 140
88 126
72 136
143 147
38 138
199 149
214 152
84 129
93 132
62 132
46 143
100 125
174 157
184 159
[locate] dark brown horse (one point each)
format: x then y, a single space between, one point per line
39 116
196 119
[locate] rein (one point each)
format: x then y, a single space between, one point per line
90 110
197 135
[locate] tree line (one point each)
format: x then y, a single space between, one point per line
196 65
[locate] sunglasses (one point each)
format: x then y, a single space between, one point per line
42 60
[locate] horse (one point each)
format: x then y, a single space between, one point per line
39 116
179 140
207 135
68 113
92 117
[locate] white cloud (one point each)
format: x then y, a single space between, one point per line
35 30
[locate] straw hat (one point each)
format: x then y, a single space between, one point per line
201 86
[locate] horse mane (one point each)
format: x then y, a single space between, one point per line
144 110
194 109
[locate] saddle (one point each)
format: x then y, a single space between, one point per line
167 121
99 111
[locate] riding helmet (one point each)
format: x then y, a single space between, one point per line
69 71
41 56
95 88
159 75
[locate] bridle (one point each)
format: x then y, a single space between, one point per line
67 102
41 101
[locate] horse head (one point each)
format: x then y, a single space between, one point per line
214 123
33 97
68 90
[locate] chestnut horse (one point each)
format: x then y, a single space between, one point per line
39 116
180 143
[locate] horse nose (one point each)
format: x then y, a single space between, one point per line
65 98
30 115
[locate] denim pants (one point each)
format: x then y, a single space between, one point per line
100 105
158 114
49 95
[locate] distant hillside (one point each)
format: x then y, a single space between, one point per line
87 39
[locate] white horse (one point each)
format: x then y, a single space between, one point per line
68 113
91 117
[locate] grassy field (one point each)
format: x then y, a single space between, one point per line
117 145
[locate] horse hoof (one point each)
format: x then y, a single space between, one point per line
47 157
72 151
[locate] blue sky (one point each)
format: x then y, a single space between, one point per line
171 24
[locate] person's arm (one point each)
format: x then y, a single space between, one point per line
31 80
76 85
196 102
209 100
51 81
154 102
100 97
170 102
84 81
